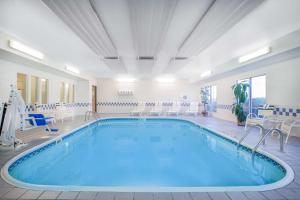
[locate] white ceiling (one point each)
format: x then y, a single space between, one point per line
207 33
270 21
35 25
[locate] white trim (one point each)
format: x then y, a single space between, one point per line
281 183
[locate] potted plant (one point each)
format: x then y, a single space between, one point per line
204 99
240 91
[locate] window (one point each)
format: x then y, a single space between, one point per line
73 93
62 92
44 91
22 85
34 89
212 98
256 92
68 93
213 93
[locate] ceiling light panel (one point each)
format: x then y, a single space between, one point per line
206 74
72 69
255 54
25 49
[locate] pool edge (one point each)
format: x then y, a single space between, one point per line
288 178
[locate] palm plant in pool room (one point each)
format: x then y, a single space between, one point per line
240 91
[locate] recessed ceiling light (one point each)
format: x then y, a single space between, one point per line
165 79
205 74
180 58
145 57
112 58
255 54
126 79
25 49
72 69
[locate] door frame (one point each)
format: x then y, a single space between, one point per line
94 98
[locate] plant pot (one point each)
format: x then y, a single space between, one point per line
241 123
204 113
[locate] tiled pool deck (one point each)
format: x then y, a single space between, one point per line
37 136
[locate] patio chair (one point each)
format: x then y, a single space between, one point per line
288 125
37 120
252 120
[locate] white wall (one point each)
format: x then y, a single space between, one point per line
143 91
8 76
282 85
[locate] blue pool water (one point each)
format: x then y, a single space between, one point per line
152 152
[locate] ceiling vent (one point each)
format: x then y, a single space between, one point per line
145 58
181 58
112 58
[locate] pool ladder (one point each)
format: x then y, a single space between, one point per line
58 140
88 115
265 133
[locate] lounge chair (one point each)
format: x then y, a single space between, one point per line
37 120
193 109
175 109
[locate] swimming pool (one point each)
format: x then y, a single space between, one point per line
145 154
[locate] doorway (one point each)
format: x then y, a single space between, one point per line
94 98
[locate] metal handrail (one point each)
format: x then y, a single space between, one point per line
247 133
88 115
265 135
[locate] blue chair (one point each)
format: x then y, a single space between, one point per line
37 120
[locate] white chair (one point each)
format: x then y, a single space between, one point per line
63 112
139 109
157 110
175 109
148 108
193 109
252 120
48 113
288 125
